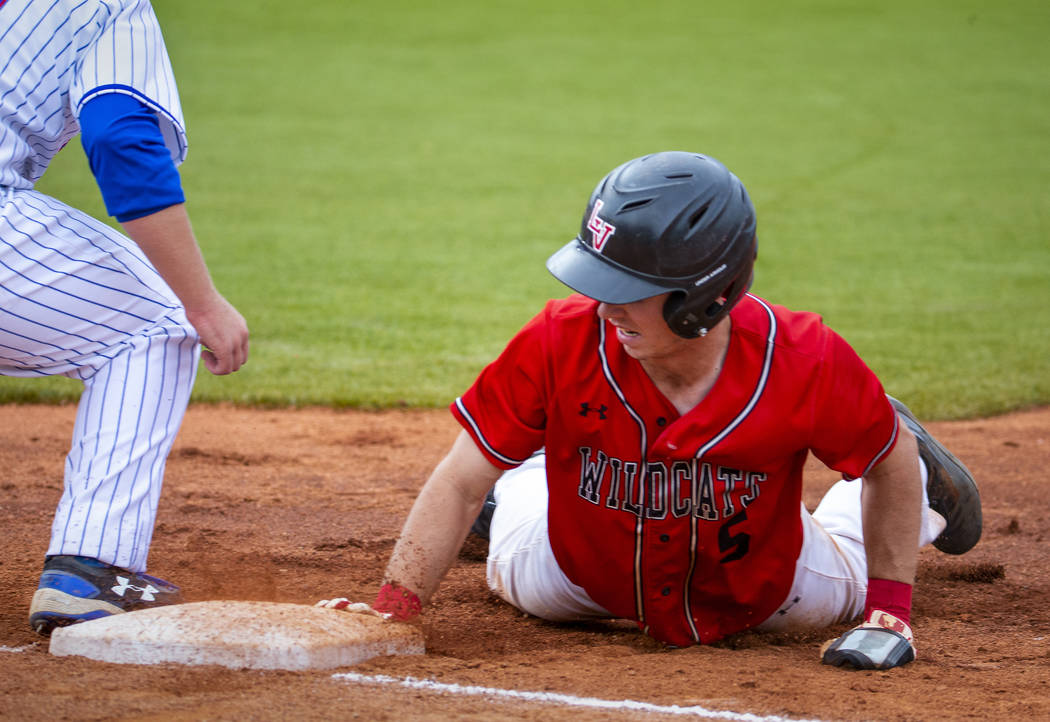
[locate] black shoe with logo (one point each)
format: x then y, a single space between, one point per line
75 589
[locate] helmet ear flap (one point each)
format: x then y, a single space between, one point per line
690 318
681 316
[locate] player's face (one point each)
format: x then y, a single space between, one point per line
641 328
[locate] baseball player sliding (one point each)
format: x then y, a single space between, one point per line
644 443
124 314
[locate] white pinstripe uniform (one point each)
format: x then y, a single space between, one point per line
76 297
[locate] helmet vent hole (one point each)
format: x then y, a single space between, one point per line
635 205
695 218
678 176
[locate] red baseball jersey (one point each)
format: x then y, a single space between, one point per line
689 524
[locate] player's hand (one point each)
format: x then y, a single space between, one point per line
393 602
166 237
881 642
224 335
356 607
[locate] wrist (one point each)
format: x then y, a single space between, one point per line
400 603
889 596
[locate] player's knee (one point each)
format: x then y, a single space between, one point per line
173 342
179 334
523 594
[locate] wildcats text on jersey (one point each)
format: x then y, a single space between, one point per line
683 488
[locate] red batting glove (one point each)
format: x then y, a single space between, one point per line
399 603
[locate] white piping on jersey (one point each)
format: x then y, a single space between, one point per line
639 603
481 437
760 387
884 449
175 142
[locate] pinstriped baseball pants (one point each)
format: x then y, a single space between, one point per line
79 299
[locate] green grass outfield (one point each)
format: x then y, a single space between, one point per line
377 185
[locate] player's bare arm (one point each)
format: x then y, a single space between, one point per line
891 507
167 239
440 517
891 513
432 535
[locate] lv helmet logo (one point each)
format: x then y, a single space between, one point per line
600 228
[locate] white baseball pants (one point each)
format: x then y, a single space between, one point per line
81 300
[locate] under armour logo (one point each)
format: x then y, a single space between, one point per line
585 409
124 584
600 228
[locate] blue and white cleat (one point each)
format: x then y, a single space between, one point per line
75 589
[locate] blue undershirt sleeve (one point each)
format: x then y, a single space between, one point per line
127 155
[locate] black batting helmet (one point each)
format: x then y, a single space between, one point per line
669 222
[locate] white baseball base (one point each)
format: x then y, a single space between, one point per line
239 635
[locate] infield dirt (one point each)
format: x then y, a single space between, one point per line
301 505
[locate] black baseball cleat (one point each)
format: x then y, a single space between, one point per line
950 486
75 589
481 524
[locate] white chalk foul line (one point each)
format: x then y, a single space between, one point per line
555 698
13 649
